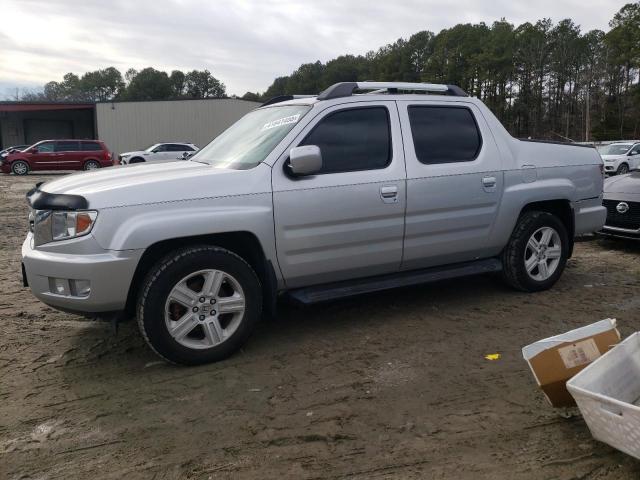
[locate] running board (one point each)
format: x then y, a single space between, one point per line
349 288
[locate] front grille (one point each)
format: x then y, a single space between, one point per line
629 220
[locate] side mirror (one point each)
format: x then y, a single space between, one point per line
33 150
305 160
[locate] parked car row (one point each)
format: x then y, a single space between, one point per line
73 154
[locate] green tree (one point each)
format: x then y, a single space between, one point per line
201 84
149 84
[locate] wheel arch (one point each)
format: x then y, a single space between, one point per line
243 243
137 159
562 209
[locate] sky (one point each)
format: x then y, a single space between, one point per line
245 43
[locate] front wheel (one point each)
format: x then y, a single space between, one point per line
537 252
20 167
622 169
199 305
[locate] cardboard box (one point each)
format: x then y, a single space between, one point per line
556 360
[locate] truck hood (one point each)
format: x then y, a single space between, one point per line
145 183
629 183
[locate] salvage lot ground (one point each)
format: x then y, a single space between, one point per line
392 385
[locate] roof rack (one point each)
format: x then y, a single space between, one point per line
284 98
346 89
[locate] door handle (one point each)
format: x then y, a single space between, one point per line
389 193
489 182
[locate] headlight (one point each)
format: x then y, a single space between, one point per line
51 226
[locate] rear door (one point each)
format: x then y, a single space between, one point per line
68 154
454 182
45 157
177 150
346 221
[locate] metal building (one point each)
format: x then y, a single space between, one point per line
123 126
126 126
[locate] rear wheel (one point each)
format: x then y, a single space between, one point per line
20 167
622 169
92 165
199 305
537 252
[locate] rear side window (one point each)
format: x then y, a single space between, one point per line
444 134
176 147
90 146
354 139
67 146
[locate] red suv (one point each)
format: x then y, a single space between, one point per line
59 155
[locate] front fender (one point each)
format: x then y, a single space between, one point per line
140 226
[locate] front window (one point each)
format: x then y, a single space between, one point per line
248 141
620 149
44 147
151 147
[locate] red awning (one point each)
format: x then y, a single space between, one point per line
32 107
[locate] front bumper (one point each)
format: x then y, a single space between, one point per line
620 233
53 276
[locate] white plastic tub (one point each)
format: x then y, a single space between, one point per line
608 394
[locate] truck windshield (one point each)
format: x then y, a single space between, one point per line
248 141
619 149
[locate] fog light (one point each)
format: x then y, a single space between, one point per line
59 286
81 288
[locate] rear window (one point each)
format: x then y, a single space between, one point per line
91 146
444 134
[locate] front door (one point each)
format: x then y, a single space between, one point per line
454 182
44 157
347 221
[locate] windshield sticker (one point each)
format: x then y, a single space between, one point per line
280 122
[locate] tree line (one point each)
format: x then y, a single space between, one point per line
146 84
541 79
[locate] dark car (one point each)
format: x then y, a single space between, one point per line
8 150
58 155
622 199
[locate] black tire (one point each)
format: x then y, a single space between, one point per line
92 165
622 169
166 274
20 167
136 160
513 256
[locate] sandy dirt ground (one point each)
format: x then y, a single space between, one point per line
392 385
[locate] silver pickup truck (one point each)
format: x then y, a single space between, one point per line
364 187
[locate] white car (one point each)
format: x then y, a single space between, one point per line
620 158
159 152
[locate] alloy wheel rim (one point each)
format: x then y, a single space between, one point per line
91 166
20 168
542 254
204 309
